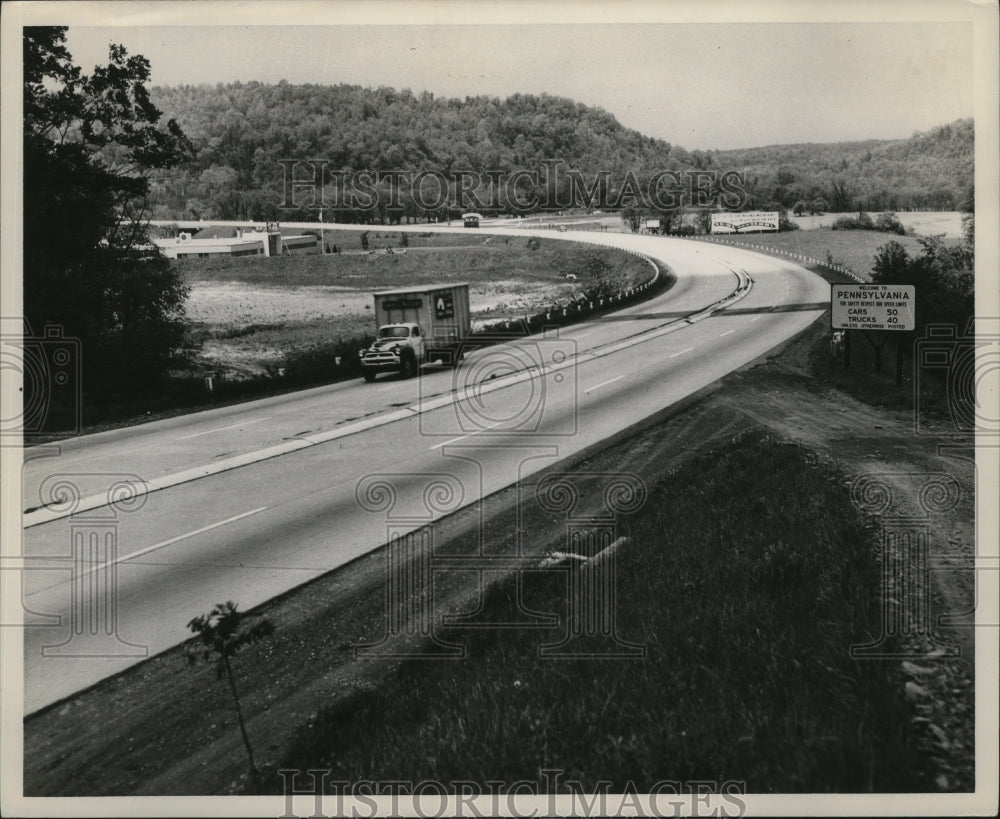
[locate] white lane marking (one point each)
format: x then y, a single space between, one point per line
580 335
155 546
688 350
223 429
604 384
754 318
463 437
726 333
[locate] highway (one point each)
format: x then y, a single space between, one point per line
300 492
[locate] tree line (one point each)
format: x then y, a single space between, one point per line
242 132
933 170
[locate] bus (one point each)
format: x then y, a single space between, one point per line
471 220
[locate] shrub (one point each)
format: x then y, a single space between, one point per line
888 223
860 222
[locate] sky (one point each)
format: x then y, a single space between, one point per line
698 85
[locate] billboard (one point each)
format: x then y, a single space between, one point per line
752 221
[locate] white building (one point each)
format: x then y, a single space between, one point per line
245 243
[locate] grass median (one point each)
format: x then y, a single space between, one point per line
746 578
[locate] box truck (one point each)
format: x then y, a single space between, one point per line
416 326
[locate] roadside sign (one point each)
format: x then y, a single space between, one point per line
872 306
745 222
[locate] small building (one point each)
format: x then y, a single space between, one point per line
244 243
300 245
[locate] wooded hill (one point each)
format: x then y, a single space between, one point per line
933 170
242 132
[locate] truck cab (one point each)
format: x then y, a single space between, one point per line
398 348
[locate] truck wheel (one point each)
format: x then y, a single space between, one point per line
368 374
408 367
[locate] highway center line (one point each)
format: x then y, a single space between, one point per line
688 350
726 333
603 384
155 546
223 429
754 318
463 437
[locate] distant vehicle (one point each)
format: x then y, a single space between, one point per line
416 326
471 220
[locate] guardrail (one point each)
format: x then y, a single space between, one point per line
839 268
574 310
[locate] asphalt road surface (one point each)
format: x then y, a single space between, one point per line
316 478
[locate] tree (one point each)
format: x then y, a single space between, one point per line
670 218
632 217
89 144
942 277
840 197
799 208
889 223
703 217
224 632
784 223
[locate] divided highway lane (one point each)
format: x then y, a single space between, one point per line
254 532
174 445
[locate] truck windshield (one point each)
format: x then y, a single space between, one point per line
394 332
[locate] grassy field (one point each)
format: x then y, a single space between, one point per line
745 622
251 313
926 223
855 249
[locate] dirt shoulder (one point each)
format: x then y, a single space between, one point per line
166 728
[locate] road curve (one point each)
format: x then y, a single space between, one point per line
252 532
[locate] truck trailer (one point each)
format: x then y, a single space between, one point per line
417 326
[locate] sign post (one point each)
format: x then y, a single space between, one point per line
873 307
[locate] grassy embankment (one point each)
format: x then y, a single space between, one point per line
747 575
854 249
